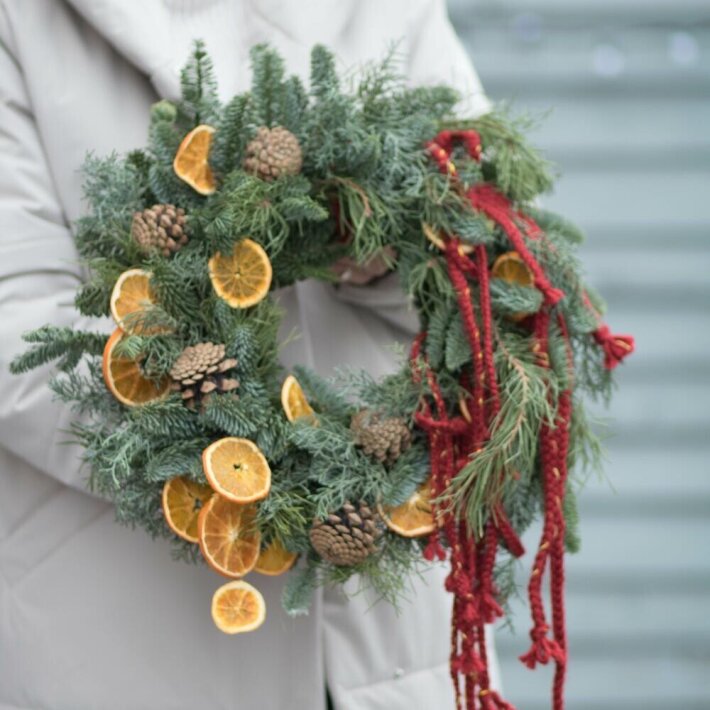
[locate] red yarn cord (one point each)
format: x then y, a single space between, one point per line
464 659
496 206
441 147
489 607
473 334
543 648
453 440
507 533
487 318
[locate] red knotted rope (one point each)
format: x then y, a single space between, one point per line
453 441
464 661
472 562
615 347
495 205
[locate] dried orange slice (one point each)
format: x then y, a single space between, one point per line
243 277
182 501
190 163
414 517
125 379
511 268
237 469
294 401
275 559
437 239
228 536
237 607
131 295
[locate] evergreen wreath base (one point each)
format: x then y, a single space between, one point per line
490 395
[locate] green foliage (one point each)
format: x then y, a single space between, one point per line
367 182
64 345
517 168
509 457
199 103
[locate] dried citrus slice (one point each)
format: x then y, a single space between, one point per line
414 517
237 607
294 401
131 295
437 239
275 559
182 501
237 469
125 379
228 536
190 163
243 277
511 268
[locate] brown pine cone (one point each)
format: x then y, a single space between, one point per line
201 370
273 152
159 228
348 536
383 439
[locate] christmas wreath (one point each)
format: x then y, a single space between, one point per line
191 426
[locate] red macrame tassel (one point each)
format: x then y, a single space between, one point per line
508 535
554 446
454 440
434 550
616 347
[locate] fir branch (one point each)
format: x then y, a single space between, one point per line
324 395
510 453
267 85
52 343
236 416
519 170
181 458
199 102
300 586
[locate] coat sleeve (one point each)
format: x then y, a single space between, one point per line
39 275
435 55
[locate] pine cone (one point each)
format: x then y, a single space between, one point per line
383 439
159 228
273 152
201 370
347 537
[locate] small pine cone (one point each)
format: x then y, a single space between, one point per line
273 152
159 228
201 370
383 439
349 536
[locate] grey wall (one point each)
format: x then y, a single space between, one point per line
628 82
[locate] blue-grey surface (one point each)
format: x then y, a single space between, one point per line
628 82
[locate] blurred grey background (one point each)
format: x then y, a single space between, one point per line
628 82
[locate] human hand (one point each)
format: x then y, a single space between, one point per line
349 271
